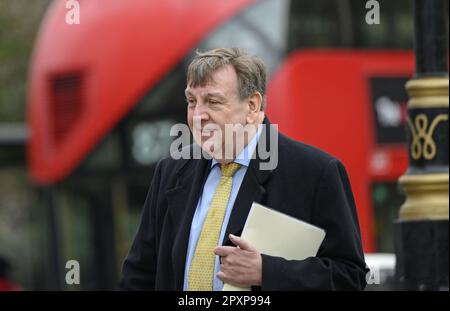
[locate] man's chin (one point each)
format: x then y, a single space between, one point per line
212 150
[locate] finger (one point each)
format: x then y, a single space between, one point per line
222 276
223 250
243 244
227 278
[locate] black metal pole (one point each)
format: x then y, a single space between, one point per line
421 232
431 37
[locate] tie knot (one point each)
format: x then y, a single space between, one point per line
229 169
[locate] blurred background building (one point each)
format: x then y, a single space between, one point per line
86 111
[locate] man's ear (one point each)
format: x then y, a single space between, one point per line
254 104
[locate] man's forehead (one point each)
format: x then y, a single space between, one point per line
222 80
202 89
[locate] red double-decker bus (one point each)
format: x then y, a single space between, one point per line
104 93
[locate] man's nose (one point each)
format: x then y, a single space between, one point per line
200 112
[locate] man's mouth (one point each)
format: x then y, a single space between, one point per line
207 132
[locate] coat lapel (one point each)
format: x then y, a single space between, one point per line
253 186
251 191
182 202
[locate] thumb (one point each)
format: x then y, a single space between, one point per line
243 244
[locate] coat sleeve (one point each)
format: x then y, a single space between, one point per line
339 264
139 267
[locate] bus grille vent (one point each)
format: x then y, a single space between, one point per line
67 105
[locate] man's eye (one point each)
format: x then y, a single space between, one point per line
190 102
214 102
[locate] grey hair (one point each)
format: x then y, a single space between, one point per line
250 70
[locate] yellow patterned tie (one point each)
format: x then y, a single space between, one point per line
201 272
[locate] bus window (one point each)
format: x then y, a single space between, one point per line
324 23
387 198
260 30
316 24
395 30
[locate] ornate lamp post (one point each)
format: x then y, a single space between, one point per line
421 232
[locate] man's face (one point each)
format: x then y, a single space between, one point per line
212 106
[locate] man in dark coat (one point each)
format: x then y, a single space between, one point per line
196 209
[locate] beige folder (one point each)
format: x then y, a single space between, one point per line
276 234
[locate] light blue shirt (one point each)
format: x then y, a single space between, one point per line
204 202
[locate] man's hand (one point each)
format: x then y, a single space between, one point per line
240 266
